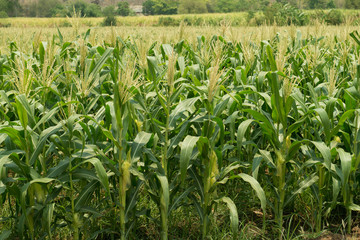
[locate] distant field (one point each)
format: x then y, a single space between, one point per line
238 18
213 19
24 37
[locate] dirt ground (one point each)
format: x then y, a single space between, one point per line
333 236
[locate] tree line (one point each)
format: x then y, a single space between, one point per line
59 8
162 7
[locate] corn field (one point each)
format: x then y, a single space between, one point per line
206 139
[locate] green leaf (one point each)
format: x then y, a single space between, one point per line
256 186
46 117
267 157
85 194
271 58
5 234
102 60
303 185
47 217
243 127
187 105
187 148
345 158
15 137
165 189
42 141
234 217
325 122
354 207
142 138
179 198
101 173
345 116
22 113
356 36
21 100
325 152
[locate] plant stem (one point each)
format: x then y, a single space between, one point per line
349 222
279 204
164 218
163 208
205 205
72 194
122 186
320 204
122 209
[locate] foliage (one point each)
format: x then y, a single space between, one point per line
11 7
3 14
352 4
109 11
92 10
59 8
318 4
56 8
168 21
123 9
190 6
240 5
42 8
334 17
285 15
109 21
159 7
86 9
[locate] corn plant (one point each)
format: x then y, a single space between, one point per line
125 138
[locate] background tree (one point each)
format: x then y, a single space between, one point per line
191 6
3 7
316 4
160 7
355 4
123 8
109 11
228 5
92 10
41 8
11 7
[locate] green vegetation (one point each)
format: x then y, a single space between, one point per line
96 8
244 135
123 9
282 16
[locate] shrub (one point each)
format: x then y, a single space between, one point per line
3 14
168 21
65 23
334 17
109 21
285 15
259 20
5 25
250 15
